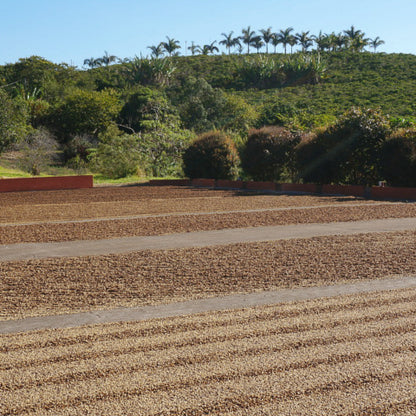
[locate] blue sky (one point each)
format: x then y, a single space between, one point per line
72 30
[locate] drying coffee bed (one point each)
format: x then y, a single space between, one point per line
350 355
26 207
49 286
167 224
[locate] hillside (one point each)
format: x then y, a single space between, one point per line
377 80
151 109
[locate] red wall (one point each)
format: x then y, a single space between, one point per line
299 187
209 183
261 186
170 182
47 183
387 192
354 190
376 192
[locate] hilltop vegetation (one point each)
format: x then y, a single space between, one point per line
149 110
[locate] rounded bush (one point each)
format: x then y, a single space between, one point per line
212 155
268 153
398 159
312 163
347 151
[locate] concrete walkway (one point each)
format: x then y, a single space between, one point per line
202 305
26 251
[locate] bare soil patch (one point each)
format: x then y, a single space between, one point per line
351 355
49 232
50 286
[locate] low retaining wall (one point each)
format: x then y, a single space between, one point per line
170 182
376 192
46 183
299 187
260 186
387 192
353 190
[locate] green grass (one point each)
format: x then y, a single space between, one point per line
6 172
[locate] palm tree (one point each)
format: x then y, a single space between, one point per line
258 43
340 41
376 42
207 49
275 41
267 36
157 51
292 42
354 38
285 37
248 37
91 62
228 41
193 48
304 40
108 59
320 40
170 46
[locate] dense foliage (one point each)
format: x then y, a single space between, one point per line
268 152
398 159
212 155
157 105
346 152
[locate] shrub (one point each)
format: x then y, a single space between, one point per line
346 152
268 152
37 151
398 159
211 155
117 155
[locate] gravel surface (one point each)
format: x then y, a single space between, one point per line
186 223
26 207
50 286
351 355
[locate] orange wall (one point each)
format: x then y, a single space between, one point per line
46 183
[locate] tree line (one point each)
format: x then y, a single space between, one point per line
351 39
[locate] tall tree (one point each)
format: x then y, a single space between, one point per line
108 59
156 51
321 41
355 39
267 36
193 48
304 40
292 42
248 37
285 37
275 41
229 41
207 49
171 46
376 42
258 43
92 62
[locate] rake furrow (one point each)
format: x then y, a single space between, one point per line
122 364
162 343
222 319
117 387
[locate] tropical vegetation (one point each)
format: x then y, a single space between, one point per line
286 99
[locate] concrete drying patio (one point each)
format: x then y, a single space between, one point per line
25 251
203 305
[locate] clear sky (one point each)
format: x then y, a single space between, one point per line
73 30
